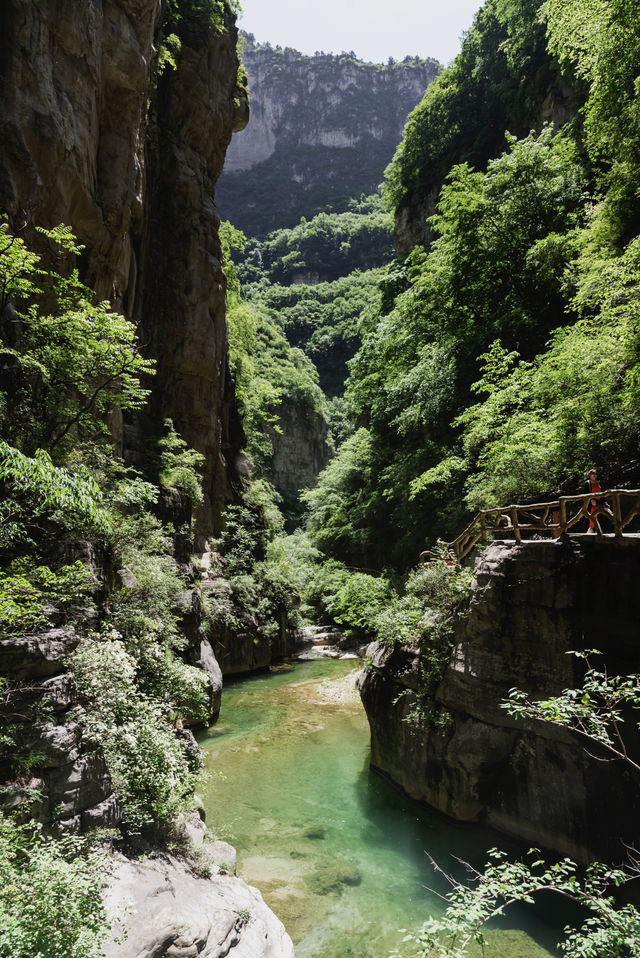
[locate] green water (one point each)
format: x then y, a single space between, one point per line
337 852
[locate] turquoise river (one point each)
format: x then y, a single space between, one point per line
339 854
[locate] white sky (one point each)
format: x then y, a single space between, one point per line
374 29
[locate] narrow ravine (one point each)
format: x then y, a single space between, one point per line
338 854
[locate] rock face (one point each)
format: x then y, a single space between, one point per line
322 130
170 911
532 603
71 787
93 138
300 449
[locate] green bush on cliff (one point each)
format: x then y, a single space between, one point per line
69 361
263 588
180 466
153 774
50 894
36 492
352 599
208 13
32 598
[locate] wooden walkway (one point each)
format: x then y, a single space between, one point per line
617 507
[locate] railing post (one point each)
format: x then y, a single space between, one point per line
563 516
617 515
514 523
483 526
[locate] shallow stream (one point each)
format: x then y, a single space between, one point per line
337 852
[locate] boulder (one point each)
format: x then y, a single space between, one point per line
161 908
37 656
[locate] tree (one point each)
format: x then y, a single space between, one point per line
68 361
34 489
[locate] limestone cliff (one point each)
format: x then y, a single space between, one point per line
92 137
300 449
322 130
532 603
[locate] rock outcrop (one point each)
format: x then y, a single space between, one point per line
94 138
164 908
322 130
300 449
65 783
532 604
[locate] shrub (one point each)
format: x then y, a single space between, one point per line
180 466
50 894
29 598
34 490
151 771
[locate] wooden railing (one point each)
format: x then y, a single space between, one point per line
618 507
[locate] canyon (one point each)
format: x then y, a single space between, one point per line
121 130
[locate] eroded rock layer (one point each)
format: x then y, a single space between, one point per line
532 604
166 909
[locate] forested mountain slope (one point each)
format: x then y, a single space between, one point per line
505 78
503 358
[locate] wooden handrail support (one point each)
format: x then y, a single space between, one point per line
557 518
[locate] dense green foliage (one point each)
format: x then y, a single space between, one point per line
500 268
498 82
34 490
502 359
323 319
600 42
30 597
329 245
68 361
67 364
50 894
268 371
151 771
315 280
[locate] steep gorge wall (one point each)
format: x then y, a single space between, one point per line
532 604
89 138
322 130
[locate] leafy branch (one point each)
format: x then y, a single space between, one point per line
594 711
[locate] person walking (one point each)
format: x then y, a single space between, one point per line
592 484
